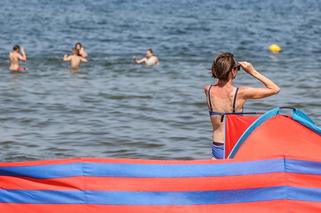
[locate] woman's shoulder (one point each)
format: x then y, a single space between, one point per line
243 90
207 87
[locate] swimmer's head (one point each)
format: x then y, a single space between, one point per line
16 48
149 53
225 66
75 51
78 46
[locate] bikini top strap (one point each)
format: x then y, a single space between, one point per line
234 101
209 98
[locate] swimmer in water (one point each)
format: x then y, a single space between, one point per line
75 59
81 49
150 59
15 55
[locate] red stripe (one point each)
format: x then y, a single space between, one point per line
253 207
144 184
192 184
24 183
162 184
303 180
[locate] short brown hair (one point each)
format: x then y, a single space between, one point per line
223 65
75 51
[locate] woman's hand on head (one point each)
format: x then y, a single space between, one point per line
247 67
256 93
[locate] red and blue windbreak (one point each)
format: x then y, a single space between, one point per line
275 166
125 185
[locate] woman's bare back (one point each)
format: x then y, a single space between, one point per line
220 99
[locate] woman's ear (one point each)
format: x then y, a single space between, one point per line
233 73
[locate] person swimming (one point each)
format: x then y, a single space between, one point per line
150 59
15 55
81 49
75 59
224 97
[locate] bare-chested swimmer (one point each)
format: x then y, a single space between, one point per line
150 59
15 55
75 59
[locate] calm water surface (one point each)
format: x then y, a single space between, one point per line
112 108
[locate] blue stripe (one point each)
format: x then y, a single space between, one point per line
145 170
160 198
44 171
266 116
303 167
163 170
304 194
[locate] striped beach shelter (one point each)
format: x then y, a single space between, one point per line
255 178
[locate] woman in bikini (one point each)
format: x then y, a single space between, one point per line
224 97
